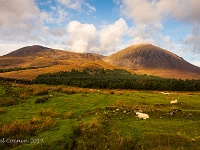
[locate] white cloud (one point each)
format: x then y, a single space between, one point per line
192 41
111 36
81 36
55 16
142 12
149 16
153 12
76 4
21 21
92 8
19 12
73 4
85 37
139 40
18 19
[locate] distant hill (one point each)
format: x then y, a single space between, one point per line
40 51
27 51
54 61
150 57
139 59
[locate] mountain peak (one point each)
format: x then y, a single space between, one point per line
149 56
27 51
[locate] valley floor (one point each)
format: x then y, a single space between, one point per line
60 117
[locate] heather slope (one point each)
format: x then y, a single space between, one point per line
150 57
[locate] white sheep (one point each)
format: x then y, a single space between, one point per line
174 101
142 115
164 93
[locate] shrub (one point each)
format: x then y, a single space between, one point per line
41 100
41 92
9 101
2 111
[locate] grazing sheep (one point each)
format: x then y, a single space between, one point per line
142 115
51 95
174 101
164 93
175 111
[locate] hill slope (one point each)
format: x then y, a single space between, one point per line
140 59
150 57
27 51
56 60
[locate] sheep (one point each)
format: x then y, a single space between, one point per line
51 95
174 101
142 115
164 93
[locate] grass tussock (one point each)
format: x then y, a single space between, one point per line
40 92
68 115
99 133
9 101
49 112
24 130
2 110
28 128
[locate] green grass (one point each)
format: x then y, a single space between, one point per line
101 119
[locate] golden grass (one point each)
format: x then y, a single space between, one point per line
49 112
68 115
66 65
41 61
168 73
30 127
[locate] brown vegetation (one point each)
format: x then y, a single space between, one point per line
20 129
140 59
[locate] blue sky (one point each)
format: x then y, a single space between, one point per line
102 26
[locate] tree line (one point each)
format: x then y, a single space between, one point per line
116 79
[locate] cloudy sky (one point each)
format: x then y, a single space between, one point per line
101 26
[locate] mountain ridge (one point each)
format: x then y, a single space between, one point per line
27 51
140 59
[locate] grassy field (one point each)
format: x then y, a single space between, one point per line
57 117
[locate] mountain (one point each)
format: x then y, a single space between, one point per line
150 57
27 51
139 59
48 60
40 51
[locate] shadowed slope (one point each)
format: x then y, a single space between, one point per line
27 51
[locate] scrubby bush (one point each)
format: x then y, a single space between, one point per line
41 100
41 92
9 101
2 111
